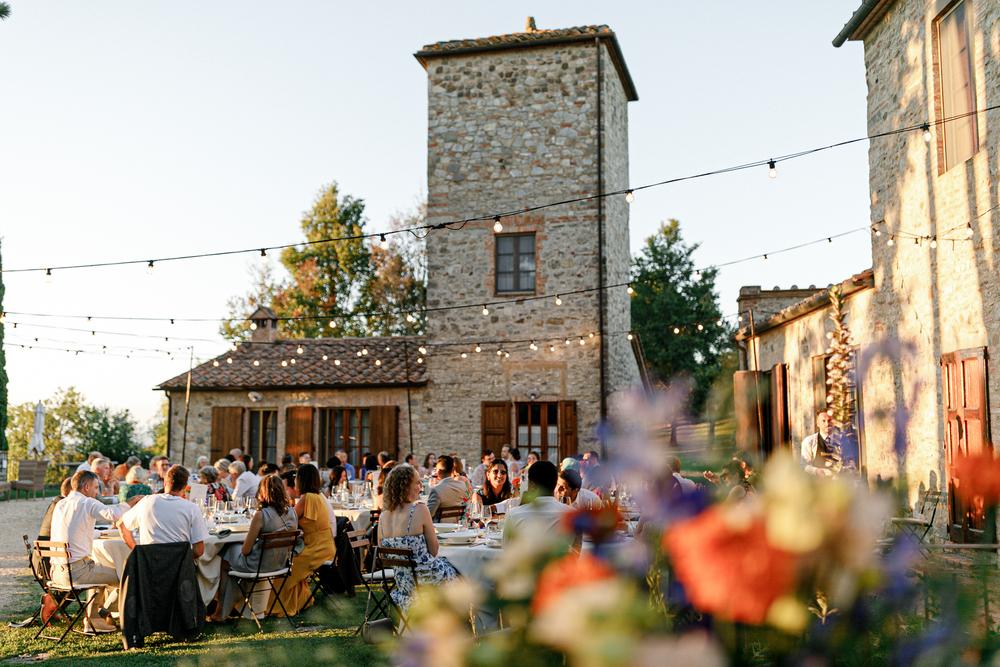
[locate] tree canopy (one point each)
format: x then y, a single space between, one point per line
670 294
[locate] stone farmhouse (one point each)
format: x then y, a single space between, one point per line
513 121
926 316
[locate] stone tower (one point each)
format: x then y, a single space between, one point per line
516 121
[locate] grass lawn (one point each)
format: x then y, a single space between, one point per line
323 635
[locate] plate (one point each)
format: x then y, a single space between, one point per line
459 537
238 527
494 544
447 527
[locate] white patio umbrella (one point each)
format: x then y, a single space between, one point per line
37 444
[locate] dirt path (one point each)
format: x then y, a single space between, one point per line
17 518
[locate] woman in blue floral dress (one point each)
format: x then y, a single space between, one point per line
406 524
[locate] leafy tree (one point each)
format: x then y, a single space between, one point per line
360 285
111 433
3 358
4 10
670 303
158 430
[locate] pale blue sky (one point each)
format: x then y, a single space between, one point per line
132 129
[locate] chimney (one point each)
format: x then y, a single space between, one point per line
529 25
265 326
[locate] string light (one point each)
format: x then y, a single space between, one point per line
701 327
422 350
420 360
533 347
969 231
215 363
358 353
486 311
478 348
383 241
677 330
506 355
464 355
229 360
336 362
48 276
891 241
149 267
772 169
299 350
284 363
629 290
629 196
630 336
378 362
256 362
325 357
558 300
263 252
333 324
364 351
497 225
253 326
933 242
765 257
499 351
567 341
552 348
410 318
291 361
697 276
927 133
582 341
590 335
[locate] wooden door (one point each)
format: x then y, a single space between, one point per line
753 412
299 432
778 390
385 429
227 431
966 432
567 430
495 425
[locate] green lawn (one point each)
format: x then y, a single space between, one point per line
323 635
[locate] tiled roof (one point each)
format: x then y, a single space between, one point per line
384 365
518 39
536 37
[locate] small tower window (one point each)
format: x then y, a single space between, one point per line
515 263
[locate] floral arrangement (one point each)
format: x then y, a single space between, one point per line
798 570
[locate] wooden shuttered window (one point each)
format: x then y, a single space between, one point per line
761 406
495 418
955 86
227 431
568 444
298 431
384 433
778 389
965 399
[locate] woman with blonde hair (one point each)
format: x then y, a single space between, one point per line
135 484
276 514
406 524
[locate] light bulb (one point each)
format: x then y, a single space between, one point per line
358 353
719 322
772 169
216 363
299 350
497 225
933 242
383 241
629 290
325 357
499 351
378 362
927 133
629 196
284 363
364 352
422 350
891 241
630 336
765 258
590 335
552 348
333 324
533 346
567 341
291 361
410 318
48 276
256 362
253 326
149 267
701 327
582 341
878 232
486 311
676 330
336 362
506 355
478 348
969 231
558 300
697 276
263 252
229 360
464 355
420 360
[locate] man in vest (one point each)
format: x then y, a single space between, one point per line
819 456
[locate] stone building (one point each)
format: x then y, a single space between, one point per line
514 121
927 323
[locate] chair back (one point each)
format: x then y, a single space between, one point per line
38 566
32 471
930 503
358 538
46 550
455 512
394 558
279 539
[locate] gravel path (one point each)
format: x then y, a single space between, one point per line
17 518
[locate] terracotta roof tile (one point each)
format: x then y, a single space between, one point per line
517 38
310 369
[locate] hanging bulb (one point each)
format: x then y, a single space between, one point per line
969 231
333 324
325 357
364 351
567 341
410 318
532 346
582 341
506 355
933 242
256 362
558 300
719 322
629 196
422 350
358 353
499 351
383 241
336 362
378 362
420 360
630 336
48 276
478 348
149 267
629 290
697 276
299 350
765 258
497 225
552 348
284 363
263 252
590 335
701 327
216 363
927 133
486 311
676 330
772 169
878 232
464 355
253 326
229 360
891 240
916 241
291 361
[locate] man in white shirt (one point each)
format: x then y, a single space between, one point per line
85 466
73 522
544 513
687 485
478 476
819 456
166 517
570 491
246 482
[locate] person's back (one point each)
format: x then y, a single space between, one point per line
163 518
544 514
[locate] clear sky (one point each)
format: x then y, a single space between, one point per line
132 129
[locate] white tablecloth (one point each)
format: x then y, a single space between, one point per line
470 561
361 517
113 552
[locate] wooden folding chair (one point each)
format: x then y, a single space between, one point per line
451 514
284 539
64 594
391 560
922 522
372 580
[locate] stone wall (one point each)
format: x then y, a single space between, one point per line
515 128
766 302
930 301
199 429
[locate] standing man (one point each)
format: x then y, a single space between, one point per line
819 456
73 522
166 517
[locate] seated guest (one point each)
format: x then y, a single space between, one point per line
313 515
570 491
449 490
459 474
158 467
105 477
87 465
246 482
687 485
512 457
428 467
478 476
592 473
406 523
370 465
288 479
497 487
342 455
276 514
410 460
73 522
222 470
200 463
135 484
379 489
45 530
286 463
209 476
164 518
266 469
305 458
235 454
544 512
122 468
338 478
569 463
532 458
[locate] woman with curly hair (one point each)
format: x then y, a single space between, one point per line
406 524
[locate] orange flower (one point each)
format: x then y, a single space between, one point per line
977 476
569 571
732 572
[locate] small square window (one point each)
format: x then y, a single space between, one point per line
515 263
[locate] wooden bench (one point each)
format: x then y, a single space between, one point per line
30 476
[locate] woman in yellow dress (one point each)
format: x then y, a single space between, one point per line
314 522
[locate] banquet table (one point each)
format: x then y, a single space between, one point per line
113 552
360 516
